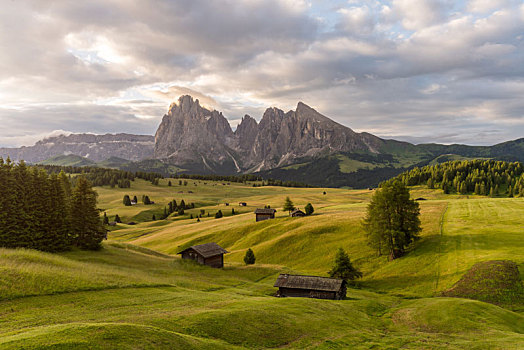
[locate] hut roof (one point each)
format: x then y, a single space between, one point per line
207 250
298 211
265 211
309 282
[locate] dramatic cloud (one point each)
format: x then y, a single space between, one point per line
420 70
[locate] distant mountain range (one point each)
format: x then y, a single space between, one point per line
300 145
93 147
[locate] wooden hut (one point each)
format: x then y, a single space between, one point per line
265 214
310 287
297 213
210 254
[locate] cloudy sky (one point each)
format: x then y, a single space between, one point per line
449 71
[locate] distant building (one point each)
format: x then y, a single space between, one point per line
210 254
310 287
297 213
133 202
265 214
242 204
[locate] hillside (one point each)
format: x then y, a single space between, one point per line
129 296
67 160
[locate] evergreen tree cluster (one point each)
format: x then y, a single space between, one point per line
174 207
483 177
42 211
105 176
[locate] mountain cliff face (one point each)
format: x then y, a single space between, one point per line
94 147
190 134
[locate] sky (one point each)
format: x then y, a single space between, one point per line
416 70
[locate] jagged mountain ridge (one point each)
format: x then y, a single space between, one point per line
91 146
190 134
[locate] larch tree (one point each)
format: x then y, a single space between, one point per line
392 219
288 205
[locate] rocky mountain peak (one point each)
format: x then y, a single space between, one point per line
190 132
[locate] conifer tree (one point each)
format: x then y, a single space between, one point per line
249 258
105 219
218 214
343 267
127 201
117 219
169 183
232 211
392 219
309 209
88 231
288 205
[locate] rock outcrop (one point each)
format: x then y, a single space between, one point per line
191 134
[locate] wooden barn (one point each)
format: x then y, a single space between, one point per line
210 254
310 287
297 213
265 214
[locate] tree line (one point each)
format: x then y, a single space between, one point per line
482 177
45 212
104 176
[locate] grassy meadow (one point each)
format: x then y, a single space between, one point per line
136 293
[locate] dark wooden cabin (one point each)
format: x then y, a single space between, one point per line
297 213
310 287
265 214
210 254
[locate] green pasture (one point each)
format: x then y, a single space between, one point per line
135 293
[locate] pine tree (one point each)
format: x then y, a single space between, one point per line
127 201
183 204
477 188
180 211
392 219
288 205
135 199
169 183
88 231
309 209
463 188
218 214
106 219
343 267
117 219
153 218
249 258
58 230
233 211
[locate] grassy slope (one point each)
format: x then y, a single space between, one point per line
68 160
130 297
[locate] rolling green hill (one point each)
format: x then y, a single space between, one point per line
68 160
136 293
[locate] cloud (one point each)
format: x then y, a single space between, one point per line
388 66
